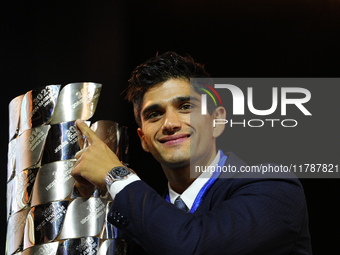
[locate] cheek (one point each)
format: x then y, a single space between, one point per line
145 145
187 119
151 129
148 135
201 122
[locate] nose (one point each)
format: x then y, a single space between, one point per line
171 123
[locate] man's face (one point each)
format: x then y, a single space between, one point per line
172 121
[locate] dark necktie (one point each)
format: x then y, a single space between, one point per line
180 204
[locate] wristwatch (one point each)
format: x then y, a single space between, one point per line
117 173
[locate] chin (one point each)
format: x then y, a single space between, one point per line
177 159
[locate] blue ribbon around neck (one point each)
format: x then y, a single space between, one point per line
204 190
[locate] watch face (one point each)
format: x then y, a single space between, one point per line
120 171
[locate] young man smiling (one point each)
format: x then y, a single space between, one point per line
218 215
172 122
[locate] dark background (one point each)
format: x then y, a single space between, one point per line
59 43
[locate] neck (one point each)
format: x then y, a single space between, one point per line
180 178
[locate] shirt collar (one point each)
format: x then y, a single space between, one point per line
189 195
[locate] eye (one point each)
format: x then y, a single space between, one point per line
186 107
153 115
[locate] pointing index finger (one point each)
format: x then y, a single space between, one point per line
90 135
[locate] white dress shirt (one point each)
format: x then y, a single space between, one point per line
190 194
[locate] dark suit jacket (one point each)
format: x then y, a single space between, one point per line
237 216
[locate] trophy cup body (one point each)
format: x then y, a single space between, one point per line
46 213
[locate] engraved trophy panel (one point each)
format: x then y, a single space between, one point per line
12 148
44 222
15 231
79 246
85 217
109 231
61 143
112 247
37 107
115 137
9 196
54 182
76 101
108 132
14 116
30 145
22 188
42 249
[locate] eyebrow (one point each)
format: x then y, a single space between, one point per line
176 100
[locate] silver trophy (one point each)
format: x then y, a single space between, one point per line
14 116
44 223
30 145
53 182
61 142
46 249
79 246
115 137
15 231
76 101
12 147
46 213
37 107
22 189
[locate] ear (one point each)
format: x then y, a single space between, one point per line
143 140
219 113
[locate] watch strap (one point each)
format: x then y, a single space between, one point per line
117 174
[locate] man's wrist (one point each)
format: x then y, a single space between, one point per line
118 186
117 173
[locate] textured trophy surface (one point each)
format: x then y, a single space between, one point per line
79 246
9 193
76 101
85 217
61 142
22 189
37 107
44 223
53 182
42 249
14 116
12 147
29 149
15 231
47 211
115 137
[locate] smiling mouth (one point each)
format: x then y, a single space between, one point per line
174 139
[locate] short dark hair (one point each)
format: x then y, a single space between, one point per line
160 69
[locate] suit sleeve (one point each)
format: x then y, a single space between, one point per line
250 217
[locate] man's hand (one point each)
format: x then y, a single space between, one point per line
95 161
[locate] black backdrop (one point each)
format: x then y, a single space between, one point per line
59 43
